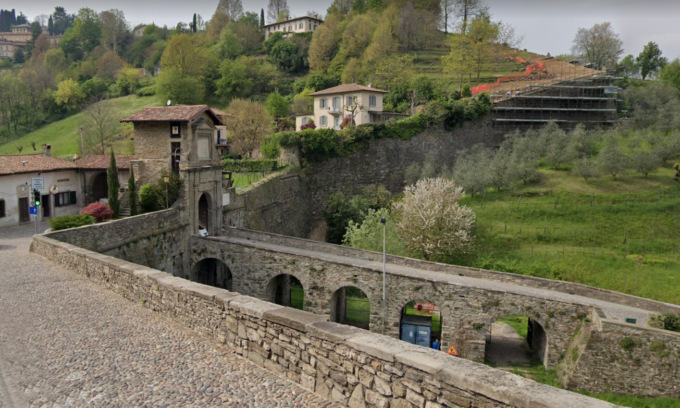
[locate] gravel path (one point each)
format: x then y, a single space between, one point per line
66 342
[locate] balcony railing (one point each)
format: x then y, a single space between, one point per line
335 110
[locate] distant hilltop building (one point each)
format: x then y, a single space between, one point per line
11 41
292 25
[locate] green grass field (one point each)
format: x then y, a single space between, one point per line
64 135
517 322
614 234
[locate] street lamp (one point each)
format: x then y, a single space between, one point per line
166 179
383 221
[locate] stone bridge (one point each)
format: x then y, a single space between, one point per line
263 265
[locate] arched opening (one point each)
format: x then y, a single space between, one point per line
286 290
515 340
421 324
100 187
350 306
203 212
213 272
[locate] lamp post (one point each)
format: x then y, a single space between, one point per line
383 221
166 179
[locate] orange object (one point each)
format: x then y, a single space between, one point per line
452 351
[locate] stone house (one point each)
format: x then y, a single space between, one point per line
181 139
332 105
61 192
10 42
292 25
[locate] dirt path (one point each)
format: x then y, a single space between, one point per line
507 348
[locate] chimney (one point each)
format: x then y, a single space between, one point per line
47 150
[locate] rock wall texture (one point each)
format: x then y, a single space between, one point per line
627 359
342 363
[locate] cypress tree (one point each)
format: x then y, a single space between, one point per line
112 180
132 192
193 27
50 26
261 17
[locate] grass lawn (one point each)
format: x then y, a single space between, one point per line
358 312
64 135
614 234
297 296
246 179
517 322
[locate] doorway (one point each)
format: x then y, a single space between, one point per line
23 210
45 202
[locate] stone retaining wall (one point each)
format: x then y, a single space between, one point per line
342 363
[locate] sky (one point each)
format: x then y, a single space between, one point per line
548 26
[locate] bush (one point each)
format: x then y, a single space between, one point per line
148 199
667 321
99 211
70 221
146 91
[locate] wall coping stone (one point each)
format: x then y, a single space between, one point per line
289 317
643 328
379 346
251 306
428 360
333 332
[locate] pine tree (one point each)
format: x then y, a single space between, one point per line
112 180
132 192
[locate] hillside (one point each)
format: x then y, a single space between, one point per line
64 135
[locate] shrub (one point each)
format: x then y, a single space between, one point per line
99 211
309 125
146 91
270 148
249 165
667 321
70 221
148 199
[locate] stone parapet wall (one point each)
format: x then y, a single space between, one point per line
532 281
157 240
627 359
342 363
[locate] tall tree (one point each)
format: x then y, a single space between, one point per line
61 21
132 192
114 186
193 24
447 12
466 10
650 60
598 45
671 74
100 127
459 61
261 17
277 9
114 28
227 11
248 124
484 34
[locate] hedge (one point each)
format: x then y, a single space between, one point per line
249 165
70 221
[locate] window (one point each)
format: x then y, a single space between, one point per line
175 131
371 100
337 123
65 198
322 103
336 102
301 26
349 101
2 209
323 121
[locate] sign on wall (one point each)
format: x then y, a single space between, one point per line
37 183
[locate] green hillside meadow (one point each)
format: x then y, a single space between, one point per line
64 135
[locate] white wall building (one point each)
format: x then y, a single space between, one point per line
292 25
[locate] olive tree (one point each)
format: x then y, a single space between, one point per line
431 221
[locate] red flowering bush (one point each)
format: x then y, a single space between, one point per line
100 212
309 125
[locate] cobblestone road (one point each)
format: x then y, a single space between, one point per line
66 342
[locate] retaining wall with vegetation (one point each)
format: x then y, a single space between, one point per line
342 363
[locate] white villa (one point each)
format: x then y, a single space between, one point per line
292 25
332 105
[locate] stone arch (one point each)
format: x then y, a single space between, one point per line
351 306
515 339
421 323
213 272
286 290
100 187
204 206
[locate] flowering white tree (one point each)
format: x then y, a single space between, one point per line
431 221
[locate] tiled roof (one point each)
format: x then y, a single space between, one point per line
293 19
30 163
347 88
177 113
98 162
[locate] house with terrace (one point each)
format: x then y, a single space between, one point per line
292 25
349 103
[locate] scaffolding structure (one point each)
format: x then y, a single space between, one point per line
590 100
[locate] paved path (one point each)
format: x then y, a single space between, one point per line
613 311
67 342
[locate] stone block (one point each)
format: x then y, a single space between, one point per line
426 360
292 318
382 386
334 332
415 399
366 378
307 381
252 307
357 399
338 396
376 399
382 347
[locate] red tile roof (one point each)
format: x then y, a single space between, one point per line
177 113
101 162
347 88
30 163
